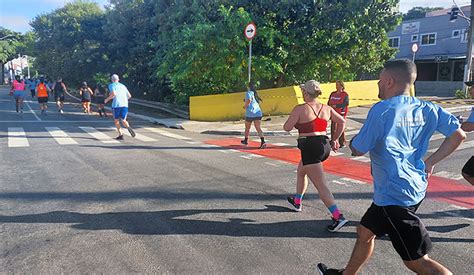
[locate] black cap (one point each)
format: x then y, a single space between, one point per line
469 83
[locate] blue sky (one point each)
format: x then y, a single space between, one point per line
15 14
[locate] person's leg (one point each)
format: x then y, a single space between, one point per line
426 265
17 103
247 132
362 250
257 124
301 186
468 170
117 125
342 139
333 128
315 173
20 103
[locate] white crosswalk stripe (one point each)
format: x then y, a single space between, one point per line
17 137
361 158
166 133
137 136
448 175
60 136
98 135
464 145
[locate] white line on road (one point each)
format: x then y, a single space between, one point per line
138 135
166 134
281 144
32 111
458 109
448 175
17 137
98 135
464 145
361 158
60 136
353 181
340 183
193 142
332 153
272 164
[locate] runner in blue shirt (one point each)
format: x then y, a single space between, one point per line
396 133
120 95
253 113
468 126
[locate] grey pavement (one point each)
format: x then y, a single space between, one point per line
168 202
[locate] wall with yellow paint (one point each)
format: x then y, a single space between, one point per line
276 101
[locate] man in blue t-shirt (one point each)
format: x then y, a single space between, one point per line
468 126
120 95
396 133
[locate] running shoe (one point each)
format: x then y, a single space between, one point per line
296 207
244 142
324 270
61 111
262 145
42 112
337 224
119 137
130 130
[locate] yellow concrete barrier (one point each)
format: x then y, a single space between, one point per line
276 101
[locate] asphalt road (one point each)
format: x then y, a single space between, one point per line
73 201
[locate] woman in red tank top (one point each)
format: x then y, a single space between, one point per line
339 101
311 119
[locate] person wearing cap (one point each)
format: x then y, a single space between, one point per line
59 89
468 126
311 119
86 96
397 132
120 95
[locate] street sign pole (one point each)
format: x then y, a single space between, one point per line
414 49
250 60
250 32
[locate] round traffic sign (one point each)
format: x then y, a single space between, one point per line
414 47
250 31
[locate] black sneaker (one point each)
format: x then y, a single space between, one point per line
244 142
130 130
296 207
262 145
337 224
324 270
119 137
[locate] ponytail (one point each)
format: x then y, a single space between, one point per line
252 88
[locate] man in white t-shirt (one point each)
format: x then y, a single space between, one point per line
120 95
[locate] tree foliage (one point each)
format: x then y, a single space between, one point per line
419 12
173 49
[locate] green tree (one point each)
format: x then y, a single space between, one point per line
70 41
419 12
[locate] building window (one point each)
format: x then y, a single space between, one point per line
456 34
414 38
464 36
428 39
394 42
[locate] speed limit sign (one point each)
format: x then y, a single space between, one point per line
250 31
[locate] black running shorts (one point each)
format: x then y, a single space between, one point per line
406 231
468 168
314 149
59 97
43 99
250 119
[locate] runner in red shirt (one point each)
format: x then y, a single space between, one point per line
339 101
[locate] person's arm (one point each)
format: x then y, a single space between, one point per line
292 119
447 147
90 91
110 97
129 95
64 86
80 91
467 126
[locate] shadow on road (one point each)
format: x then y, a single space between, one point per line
179 222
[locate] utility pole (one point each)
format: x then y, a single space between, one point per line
468 67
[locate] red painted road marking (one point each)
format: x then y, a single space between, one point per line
441 189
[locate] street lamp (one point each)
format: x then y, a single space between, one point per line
6 36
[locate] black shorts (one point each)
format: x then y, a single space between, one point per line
250 119
468 168
43 99
85 100
314 149
59 97
406 231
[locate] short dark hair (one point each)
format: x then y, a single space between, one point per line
402 70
